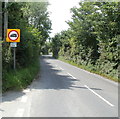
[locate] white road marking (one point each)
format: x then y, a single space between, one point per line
61 68
26 91
24 99
56 65
71 75
99 96
0 114
29 106
19 113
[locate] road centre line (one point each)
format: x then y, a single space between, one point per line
19 113
71 75
24 99
61 68
99 96
56 65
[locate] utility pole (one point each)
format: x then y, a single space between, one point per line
5 19
0 55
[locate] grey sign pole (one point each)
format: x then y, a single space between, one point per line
14 58
14 45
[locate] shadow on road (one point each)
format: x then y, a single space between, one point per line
54 78
11 95
51 77
1 110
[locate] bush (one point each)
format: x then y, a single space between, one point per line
19 79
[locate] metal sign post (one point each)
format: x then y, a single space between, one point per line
14 45
13 36
14 58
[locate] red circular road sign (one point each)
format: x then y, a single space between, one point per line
13 35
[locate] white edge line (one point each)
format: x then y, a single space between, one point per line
29 106
0 114
24 99
99 96
71 75
26 91
19 113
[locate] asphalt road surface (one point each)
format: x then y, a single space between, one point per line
63 90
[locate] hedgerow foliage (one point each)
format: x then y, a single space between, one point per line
33 21
92 39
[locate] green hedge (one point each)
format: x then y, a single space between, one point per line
21 78
93 68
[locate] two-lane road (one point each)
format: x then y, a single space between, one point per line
63 90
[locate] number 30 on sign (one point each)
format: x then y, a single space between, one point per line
13 35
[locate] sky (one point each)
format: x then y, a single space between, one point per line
59 13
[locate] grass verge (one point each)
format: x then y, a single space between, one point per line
21 78
89 69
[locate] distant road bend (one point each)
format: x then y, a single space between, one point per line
63 90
